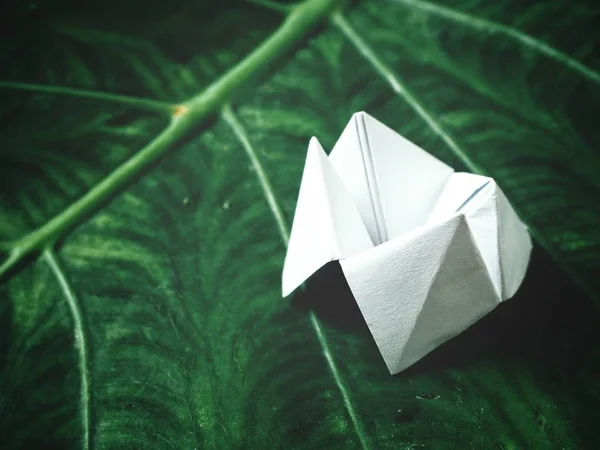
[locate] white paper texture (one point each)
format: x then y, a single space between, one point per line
327 225
440 270
393 182
426 251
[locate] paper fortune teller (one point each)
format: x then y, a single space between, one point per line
426 251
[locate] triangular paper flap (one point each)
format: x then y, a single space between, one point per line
391 282
394 183
458 192
501 237
482 216
327 225
461 294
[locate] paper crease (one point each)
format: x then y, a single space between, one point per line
432 282
371 176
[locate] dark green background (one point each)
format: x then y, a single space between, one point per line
148 314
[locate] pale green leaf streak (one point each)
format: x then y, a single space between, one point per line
395 82
240 132
80 344
358 427
400 88
186 118
135 102
488 26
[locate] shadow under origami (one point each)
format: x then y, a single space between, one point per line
549 316
549 327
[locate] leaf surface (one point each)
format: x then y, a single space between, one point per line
154 319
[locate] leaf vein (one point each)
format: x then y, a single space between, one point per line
81 343
514 33
400 88
144 103
241 134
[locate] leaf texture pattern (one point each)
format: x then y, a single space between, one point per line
147 315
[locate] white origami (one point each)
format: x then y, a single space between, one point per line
426 251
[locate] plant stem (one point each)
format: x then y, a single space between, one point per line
185 118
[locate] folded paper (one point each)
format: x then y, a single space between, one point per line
426 251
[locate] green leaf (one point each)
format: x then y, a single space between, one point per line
150 166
